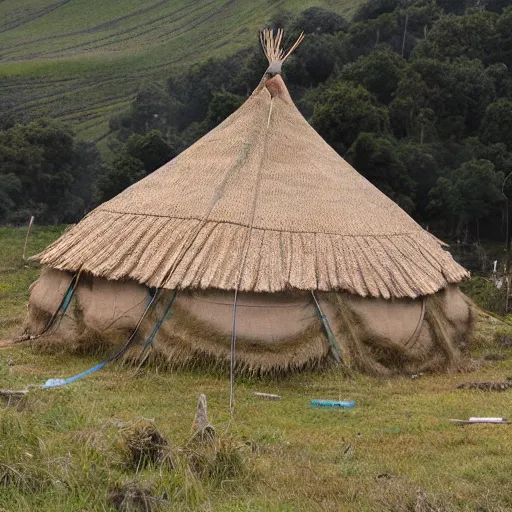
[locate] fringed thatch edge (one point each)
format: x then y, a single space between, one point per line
190 254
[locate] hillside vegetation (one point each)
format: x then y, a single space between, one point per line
81 61
415 94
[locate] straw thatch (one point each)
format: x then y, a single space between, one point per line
263 204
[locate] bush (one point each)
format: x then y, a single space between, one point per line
486 294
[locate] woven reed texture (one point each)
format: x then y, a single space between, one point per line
261 203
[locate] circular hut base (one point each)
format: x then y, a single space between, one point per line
275 333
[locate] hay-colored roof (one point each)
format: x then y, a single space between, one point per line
261 203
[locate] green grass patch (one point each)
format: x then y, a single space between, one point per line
65 449
16 275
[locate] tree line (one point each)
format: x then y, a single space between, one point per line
415 94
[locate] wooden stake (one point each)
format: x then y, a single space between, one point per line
26 238
202 429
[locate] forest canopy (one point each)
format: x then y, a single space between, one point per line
416 95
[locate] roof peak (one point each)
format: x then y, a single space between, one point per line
271 44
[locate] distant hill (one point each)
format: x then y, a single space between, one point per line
83 60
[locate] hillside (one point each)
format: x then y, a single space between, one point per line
82 60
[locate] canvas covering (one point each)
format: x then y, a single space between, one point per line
275 332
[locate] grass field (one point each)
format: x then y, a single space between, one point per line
83 60
65 449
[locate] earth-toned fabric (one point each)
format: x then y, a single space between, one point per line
276 333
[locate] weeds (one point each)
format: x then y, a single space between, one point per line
144 446
134 497
219 461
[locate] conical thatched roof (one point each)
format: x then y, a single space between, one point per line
261 203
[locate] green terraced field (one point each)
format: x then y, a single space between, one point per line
83 60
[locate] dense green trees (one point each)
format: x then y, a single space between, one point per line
343 110
468 193
376 158
43 172
415 94
497 123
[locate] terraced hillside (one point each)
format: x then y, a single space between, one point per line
82 60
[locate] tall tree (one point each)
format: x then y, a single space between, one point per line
124 171
344 110
150 149
468 193
377 159
497 123
379 72
40 157
316 20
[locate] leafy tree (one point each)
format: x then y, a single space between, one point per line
377 159
140 156
222 105
152 109
504 48
10 191
40 157
379 72
252 68
420 17
474 149
472 35
497 123
194 90
421 167
372 9
315 60
468 193
88 167
363 37
456 6
150 149
317 20
501 78
344 110
124 171
410 99
458 93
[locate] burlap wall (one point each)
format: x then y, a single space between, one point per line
273 330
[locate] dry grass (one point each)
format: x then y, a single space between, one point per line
394 451
145 445
134 497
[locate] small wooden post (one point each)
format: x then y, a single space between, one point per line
201 428
26 238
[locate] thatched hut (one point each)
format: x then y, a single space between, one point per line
259 234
